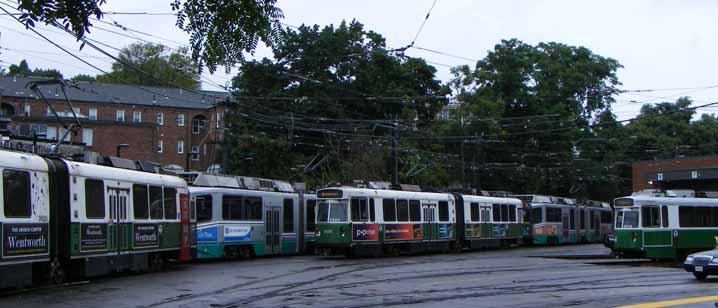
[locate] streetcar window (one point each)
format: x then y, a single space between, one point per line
402 210
572 219
204 208
372 215
323 212
553 214
582 214
512 213
288 217
252 209
474 207
443 211
536 215
698 216
496 212
94 199
414 210
606 217
650 217
231 207
504 212
389 209
590 220
16 193
630 219
155 202
359 209
311 215
170 203
140 201
619 219
664 216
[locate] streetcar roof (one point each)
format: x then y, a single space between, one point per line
649 200
196 190
124 175
485 199
22 161
382 193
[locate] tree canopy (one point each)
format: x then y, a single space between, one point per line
220 31
23 69
153 65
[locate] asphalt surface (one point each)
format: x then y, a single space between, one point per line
577 276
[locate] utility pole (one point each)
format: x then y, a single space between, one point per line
394 155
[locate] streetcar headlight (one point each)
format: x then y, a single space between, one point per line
634 235
343 231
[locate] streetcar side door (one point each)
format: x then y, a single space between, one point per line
272 229
431 229
119 233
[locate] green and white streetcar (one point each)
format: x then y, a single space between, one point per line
664 225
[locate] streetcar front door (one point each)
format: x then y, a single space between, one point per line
486 229
119 229
272 230
431 229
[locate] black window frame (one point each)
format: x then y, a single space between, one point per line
156 202
11 197
140 201
664 216
414 210
202 203
169 203
512 213
389 207
402 210
443 211
288 215
474 212
650 216
496 212
359 208
94 204
229 203
311 205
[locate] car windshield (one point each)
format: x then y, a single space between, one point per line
332 211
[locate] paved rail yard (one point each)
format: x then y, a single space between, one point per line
573 275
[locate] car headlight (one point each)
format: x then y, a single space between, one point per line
689 259
714 260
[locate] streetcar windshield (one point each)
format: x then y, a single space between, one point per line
536 215
627 219
332 211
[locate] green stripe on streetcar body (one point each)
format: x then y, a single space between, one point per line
664 243
331 234
107 238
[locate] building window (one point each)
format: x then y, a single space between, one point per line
49 111
120 115
195 153
219 118
76 110
198 125
26 110
93 114
87 136
659 176
180 119
180 147
137 116
160 118
51 133
160 146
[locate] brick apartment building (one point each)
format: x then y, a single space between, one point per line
164 125
698 173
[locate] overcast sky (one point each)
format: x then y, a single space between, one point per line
661 44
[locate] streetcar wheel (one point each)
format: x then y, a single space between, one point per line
700 276
156 262
57 272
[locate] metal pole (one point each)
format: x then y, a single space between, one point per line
394 155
